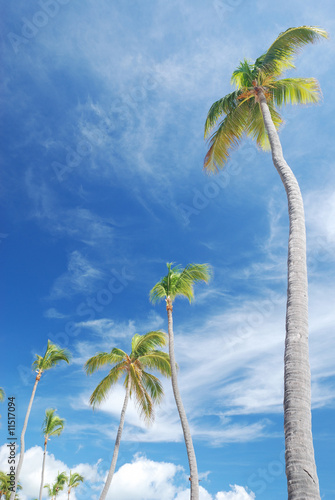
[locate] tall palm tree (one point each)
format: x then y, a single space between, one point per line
73 481
180 282
252 109
52 356
53 425
146 388
57 486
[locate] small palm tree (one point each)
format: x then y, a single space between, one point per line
52 356
57 486
252 109
147 389
73 481
179 282
53 425
5 486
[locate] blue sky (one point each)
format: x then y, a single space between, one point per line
103 109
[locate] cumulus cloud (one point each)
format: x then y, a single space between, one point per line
150 480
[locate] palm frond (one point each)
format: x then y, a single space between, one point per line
153 386
74 479
143 344
220 108
53 425
227 136
295 91
103 358
193 273
100 393
53 355
143 400
244 75
157 360
280 54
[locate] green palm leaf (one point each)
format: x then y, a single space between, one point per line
100 393
104 358
295 91
280 55
53 425
220 108
53 355
157 360
227 136
142 344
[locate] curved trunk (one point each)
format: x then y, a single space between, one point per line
117 443
182 414
302 479
19 466
43 466
68 494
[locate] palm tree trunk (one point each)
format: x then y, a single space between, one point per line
43 466
19 466
302 479
117 443
182 414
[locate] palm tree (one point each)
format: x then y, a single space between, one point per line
252 109
5 485
53 425
73 481
57 486
52 356
2 394
146 388
180 282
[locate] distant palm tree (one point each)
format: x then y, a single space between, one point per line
73 481
53 355
53 425
57 486
251 109
179 282
146 388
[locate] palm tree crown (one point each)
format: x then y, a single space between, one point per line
73 481
53 425
241 107
57 486
53 355
146 388
180 281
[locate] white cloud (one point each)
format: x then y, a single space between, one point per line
237 493
54 314
79 278
150 480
